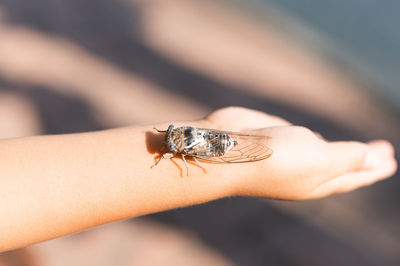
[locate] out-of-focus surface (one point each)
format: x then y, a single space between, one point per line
73 66
363 33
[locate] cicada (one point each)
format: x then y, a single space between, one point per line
214 145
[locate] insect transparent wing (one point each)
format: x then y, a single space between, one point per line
249 148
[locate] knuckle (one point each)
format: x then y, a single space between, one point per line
303 130
223 112
230 109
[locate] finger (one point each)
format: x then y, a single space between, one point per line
345 156
355 180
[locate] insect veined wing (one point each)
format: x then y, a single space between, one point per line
248 147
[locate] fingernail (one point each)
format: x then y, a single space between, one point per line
372 160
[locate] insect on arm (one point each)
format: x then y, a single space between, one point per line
214 145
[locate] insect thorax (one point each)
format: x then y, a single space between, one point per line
172 139
198 142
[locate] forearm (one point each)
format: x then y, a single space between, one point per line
55 185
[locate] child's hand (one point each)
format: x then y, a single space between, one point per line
303 165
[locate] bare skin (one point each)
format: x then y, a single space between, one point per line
52 186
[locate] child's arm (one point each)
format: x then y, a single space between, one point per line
51 186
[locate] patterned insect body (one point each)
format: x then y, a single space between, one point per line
215 145
198 142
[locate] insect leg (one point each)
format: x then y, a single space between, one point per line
201 166
164 156
197 161
184 160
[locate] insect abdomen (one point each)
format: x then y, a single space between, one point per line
214 145
222 144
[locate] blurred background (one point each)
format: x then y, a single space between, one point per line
333 66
